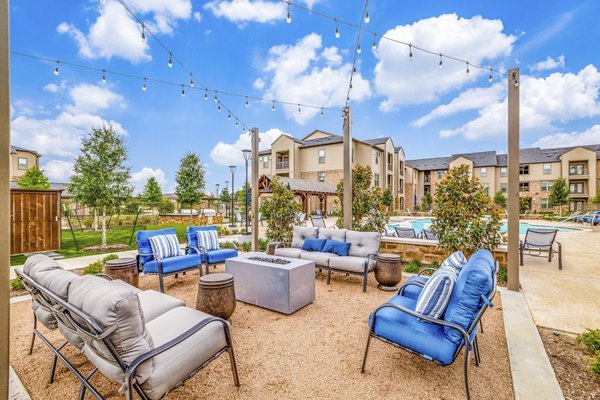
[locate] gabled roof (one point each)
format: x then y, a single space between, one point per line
315 131
379 140
304 185
333 139
14 149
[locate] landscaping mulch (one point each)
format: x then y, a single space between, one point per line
314 353
570 365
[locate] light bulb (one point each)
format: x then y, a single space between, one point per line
144 85
143 33
273 108
410 55
374 45
102 1
468 67
170 63
441 61
228 115
103 76
247 104
490 78
56 71
205 94
191 81
321 111
337 30
516 83
219 108
299 110
358 49
288 19
182 91
236 123
367 19
215 99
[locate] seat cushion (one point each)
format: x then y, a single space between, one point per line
407 331
154 304
362 243
351 264
332 234
218 256
290 252
179 362
173 264
313 244
143 242
413 291
302 232
320 258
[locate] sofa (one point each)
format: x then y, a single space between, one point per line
146 341
360 260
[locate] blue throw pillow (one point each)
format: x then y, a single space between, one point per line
336 247
313 244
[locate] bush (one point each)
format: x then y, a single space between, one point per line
227 245
16 284
262 244
166 207
591 340
595 367
413 267
246 246
234 231
502 275
222 230
97 267
279 210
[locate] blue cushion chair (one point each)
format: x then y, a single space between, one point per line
208 257
151 263
440 340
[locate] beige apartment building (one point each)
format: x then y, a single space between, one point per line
539 168
318 157
21 159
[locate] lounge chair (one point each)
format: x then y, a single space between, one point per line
538 241
210 253
440 340
319 212
428 234
300 219
592 218
318 221
152 262
408 233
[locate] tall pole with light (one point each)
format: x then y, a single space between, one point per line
217 196
225 186
232 223
247 154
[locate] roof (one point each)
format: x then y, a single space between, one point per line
304 185
379 140
322 141
534 155
53 186
14 149
264 152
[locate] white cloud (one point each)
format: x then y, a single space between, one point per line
231 153
116 34
245 11
197 16
139 179
258 84
93 98
402 81
587 137
549 63
52 88
305 74
546 101
58 170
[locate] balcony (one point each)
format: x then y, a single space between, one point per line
579 174
390 167
282 165
427 180
579 195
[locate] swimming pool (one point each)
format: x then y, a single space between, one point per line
419 224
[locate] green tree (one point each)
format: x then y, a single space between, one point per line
240 196
596 200
279 210
559 194
101 179
388 197
465 217
500 199
524 204
152 192
426 202
189 181
225 199
368 210
33 178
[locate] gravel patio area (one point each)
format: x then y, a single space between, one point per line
312 354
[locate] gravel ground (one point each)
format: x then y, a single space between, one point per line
313 354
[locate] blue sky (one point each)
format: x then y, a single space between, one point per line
247 47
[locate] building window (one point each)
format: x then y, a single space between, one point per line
376 155
504 187
524 170
440 175
400 185
265 161
483 172
22 163
321 156
577 169
376 179
523 186
321 176
503 172
547 169
546 185
545 204
577 188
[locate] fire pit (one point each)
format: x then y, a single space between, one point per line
272 260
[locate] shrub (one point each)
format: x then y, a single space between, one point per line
222 231
97 267
413 267
502 275
262 244
234 231
279 210
591 340
227 245
166 207
246 246
16 284
595 367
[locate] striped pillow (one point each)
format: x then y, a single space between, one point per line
165 246
455 261
208 239
436 293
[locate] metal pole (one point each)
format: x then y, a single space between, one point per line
246 197
254 201
347 201
4 195
231 222
513 179
217 198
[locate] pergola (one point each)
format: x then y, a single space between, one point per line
302 188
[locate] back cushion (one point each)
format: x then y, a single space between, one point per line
58 281
208 239
486 257
192 233
37 263
143 243
473 281
302 232
333 234
362 243
114 307
165 246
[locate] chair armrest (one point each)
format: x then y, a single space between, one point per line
140 255
426 270
105 276
369 257
409 283
130 372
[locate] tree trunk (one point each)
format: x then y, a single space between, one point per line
95 222
104 226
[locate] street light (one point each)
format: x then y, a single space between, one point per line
232 224
217 197
247 154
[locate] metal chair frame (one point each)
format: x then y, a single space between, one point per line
402 232
161 274
319 219
364 273
536 249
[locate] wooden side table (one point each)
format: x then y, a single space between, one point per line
216 295
388 271
124 269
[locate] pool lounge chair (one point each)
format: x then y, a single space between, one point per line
318 221
538 241
300 219
429 235
408 233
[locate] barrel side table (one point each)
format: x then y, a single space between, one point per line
216 295
124 269
388 271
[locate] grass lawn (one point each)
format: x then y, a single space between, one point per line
115 235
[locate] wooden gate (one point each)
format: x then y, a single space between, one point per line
35 220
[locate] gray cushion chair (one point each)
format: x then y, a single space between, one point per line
143 340
360 260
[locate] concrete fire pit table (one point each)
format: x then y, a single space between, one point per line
278 283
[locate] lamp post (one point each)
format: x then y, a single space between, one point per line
247 154
226 185
217 197
232 224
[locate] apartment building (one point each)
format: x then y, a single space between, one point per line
21 159
319 157
539 168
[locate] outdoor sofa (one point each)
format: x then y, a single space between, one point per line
143 340
360 258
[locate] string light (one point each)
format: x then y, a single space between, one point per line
273 108
367 19
337 30
468 68
228 114
205 94
515 80
215 99
289 15
299 110
182 91
219 107
143 33
56 69
170 63
490 78
236 123
410 55
358 49
247 104
144 85
191 80
374 45
321 111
